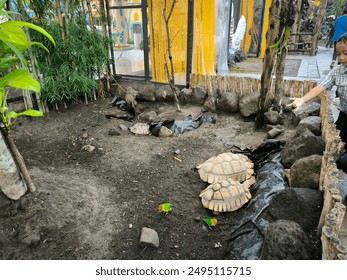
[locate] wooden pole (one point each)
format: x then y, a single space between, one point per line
318 26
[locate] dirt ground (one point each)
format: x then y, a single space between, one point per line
93 204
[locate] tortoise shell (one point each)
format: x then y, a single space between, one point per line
227 165
226 195
140 128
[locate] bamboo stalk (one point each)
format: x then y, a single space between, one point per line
60 17
170 71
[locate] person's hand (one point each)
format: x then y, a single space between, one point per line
296 104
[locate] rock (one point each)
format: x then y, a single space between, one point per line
148 116
165 132
304 145
210 102
305 172
228 102
273 133
185 96
198 95
248 104
129 99
149 237
300 205
307 109
131 91
285 240
165 94
88 148
313 123
286 101
123 127
272 117
147 93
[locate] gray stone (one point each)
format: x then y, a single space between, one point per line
306 110
131 91
228 102
285 240
313 123
272 117
148 116
305 172
211 102
286 101
149 237
304 145
273 133
185 96
165 94
248 104
300 205
198 95
147 93
123 127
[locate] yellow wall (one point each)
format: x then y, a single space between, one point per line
203 42
158 38
203 38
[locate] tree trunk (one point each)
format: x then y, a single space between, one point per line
11 183
170 70
7 136
296 25
281 19
104 34
317 27
269 61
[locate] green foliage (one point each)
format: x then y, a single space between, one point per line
283 43
69 70
13 42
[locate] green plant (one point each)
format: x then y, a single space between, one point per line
70 69
13 42
14 73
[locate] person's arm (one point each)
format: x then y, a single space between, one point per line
297 102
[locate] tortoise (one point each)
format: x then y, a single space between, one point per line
224 166
226 195
140 128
